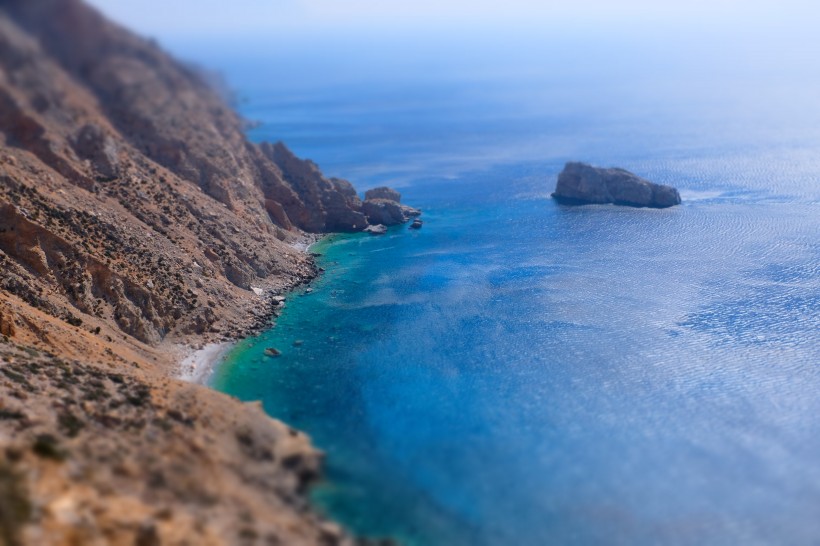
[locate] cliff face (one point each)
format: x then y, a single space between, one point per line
163 110
130 198
331 204
135 215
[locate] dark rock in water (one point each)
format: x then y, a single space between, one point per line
417 223
378 229
273 352
383 192
580 184
384 211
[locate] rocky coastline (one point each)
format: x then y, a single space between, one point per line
137 225
198 359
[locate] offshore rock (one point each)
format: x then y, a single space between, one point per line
383 192
580 184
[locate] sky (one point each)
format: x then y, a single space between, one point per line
322 35
180 18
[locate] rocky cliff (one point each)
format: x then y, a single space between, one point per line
134 217
580 184
130 199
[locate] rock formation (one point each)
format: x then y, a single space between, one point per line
383 192
580 184
329 204
383 206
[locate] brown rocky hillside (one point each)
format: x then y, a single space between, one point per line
136 217
130 199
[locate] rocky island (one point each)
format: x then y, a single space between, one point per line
137 223
581 184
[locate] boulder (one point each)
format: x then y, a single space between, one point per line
378 229
410 212
92 143
580 184
417 223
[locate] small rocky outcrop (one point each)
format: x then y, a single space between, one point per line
383 192
417 223
382 205
383 211
7 326
378 229
580 184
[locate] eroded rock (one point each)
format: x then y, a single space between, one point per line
383 192
580 184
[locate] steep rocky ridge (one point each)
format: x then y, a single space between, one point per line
129 190
135 216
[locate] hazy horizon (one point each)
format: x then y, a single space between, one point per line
247 17
313 40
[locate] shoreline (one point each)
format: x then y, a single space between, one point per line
198 363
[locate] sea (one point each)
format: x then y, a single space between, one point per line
523 373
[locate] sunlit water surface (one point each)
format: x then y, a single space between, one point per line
522 373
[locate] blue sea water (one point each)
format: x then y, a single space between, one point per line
523 373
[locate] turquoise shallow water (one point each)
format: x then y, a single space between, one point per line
522 373
518 372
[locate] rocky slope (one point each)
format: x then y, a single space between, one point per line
580 184
93 456
134 217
